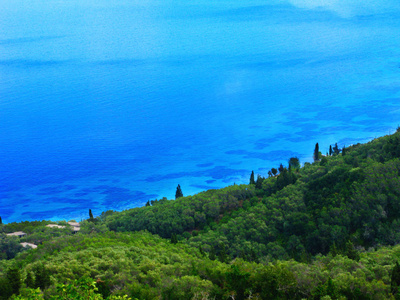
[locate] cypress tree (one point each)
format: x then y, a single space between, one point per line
336 149
252 181
178 192
330 150
1 221
316 152
259 182
90 215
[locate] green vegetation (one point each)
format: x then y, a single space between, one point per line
178 193
327 230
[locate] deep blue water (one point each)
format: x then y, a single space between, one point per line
107 104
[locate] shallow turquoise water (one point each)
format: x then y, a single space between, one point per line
106 104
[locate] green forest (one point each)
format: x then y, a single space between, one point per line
329 229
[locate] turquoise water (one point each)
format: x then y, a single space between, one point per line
107 104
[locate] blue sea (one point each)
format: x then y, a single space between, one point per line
107 104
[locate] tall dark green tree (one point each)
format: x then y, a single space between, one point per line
351 252
90 215
344 151
274 171
252 180
1 221
259 182
330 150
178 192
316 152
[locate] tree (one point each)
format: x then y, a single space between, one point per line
324 161
351 252
330 150
1 221
90 215
336 149
259 182
281 168
294 163
252 181
316 152
344 151
178 193
274 171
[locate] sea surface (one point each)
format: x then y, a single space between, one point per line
107 104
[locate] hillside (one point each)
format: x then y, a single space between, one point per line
340 199
327 230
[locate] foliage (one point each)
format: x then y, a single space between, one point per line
178 193
328 230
